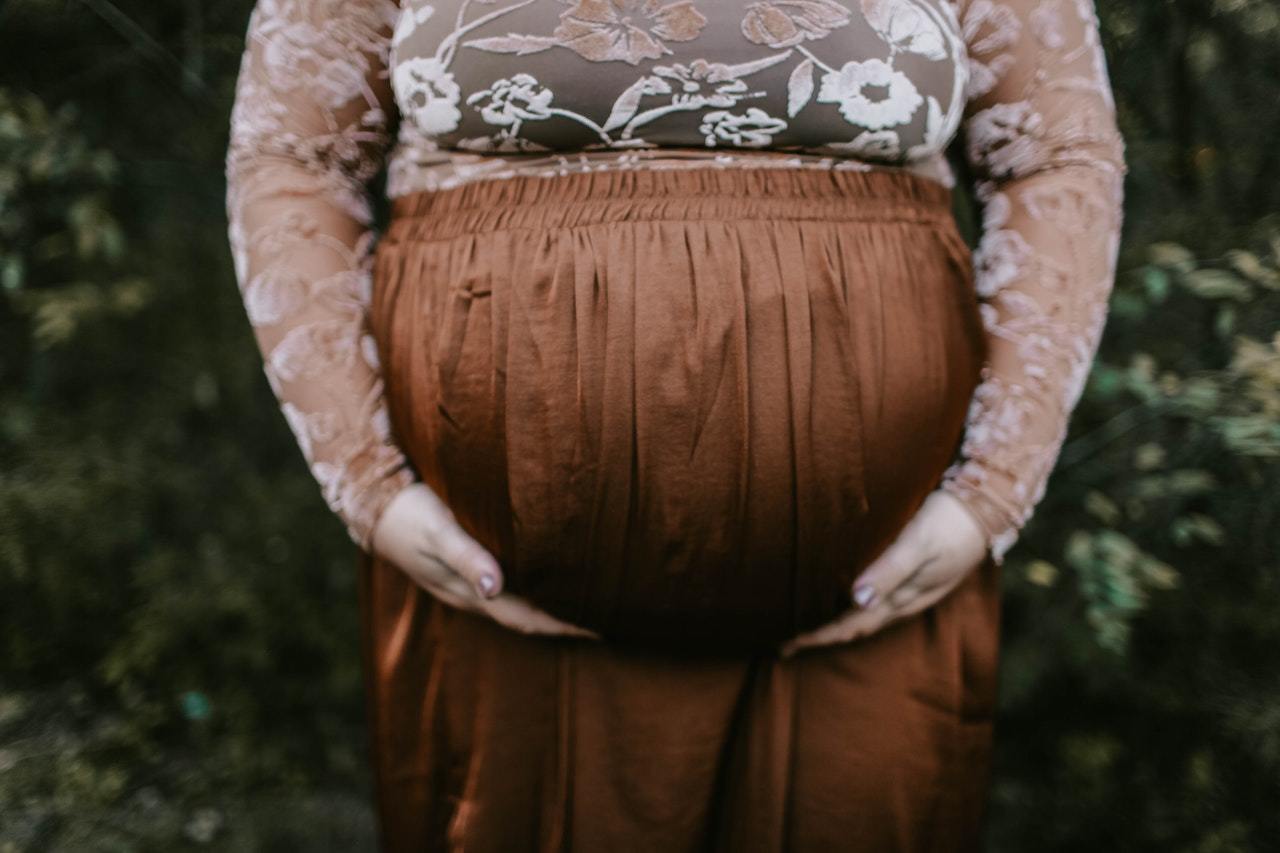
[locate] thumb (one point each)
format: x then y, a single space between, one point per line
886 572
469 559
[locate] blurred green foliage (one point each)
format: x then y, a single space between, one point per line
177 609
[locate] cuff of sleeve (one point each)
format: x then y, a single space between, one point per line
366 505
1000 531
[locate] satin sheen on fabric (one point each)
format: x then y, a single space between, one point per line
683 408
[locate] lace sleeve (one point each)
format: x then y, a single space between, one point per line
1048 160
309 130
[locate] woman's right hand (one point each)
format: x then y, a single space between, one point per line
420 534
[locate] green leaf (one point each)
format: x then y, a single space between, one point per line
1102 507
1106 381
12 272
1217 284
1225 321
1042 573
195 705
1172 255
1156 281
1251 267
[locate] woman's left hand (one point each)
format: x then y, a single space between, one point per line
941 544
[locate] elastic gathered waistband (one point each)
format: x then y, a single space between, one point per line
585 198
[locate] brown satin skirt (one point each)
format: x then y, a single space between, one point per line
682 408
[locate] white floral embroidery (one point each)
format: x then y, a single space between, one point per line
754 129
312 349
849 88
427 94
784 23
1000 259
632 32
1027 78
906 26
991 31
627 30
513 101
1004 137
274 295
874 144
1046 23
501 142
410 20
698 84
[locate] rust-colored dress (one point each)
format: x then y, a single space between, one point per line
682 409
684 384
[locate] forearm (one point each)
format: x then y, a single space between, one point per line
1042 138
308 133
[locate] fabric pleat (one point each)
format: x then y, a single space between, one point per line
683 409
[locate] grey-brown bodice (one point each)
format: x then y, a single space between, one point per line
874 79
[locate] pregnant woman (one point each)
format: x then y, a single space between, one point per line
682 435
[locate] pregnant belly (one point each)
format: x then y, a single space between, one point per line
685 434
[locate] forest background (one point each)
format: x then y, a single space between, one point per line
178 649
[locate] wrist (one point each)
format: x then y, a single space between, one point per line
997 533
363 525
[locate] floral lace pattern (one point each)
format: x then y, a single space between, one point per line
880 80
1042 139
485 89
308 132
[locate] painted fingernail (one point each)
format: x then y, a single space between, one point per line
864 594
487 584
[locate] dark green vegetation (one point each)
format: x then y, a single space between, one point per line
178 654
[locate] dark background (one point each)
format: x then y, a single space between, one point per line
178 649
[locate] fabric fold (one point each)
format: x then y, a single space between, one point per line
683 409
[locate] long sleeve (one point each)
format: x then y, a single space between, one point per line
1048 160
309 131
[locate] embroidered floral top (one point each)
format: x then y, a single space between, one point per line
440 93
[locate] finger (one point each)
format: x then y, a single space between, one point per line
457 586
894 567
855 625
940 573
449 594
467 557
921 598
520 615
908 599
934 572
428 569
839 630
507 610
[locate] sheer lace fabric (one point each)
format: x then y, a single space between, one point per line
1042 140
308 132
323 82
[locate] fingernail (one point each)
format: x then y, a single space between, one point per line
864 594
487 584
